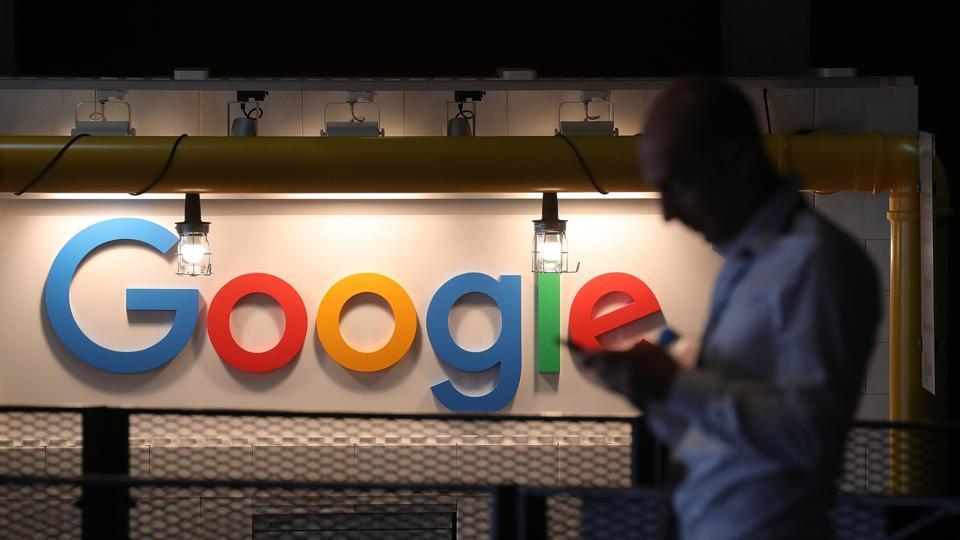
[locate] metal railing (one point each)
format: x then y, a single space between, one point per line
144 472
166 473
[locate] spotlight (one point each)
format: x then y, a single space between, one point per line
251 107
357 126
464 123
97 122
591 125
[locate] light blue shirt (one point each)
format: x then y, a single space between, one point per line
759 425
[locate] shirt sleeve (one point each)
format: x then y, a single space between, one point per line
825 330
665 423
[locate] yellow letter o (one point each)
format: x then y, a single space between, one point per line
404 322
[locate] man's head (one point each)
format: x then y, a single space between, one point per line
702 150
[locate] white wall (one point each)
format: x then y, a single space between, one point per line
312 244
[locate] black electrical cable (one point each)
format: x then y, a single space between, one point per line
163 171
583 164
50 164
462 113
766 109
250 114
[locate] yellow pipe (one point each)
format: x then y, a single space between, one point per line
857 162
907 399
872 162
321 165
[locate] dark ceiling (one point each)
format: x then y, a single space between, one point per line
284 38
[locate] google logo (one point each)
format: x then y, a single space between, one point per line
506 351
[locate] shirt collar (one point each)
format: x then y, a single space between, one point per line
763 225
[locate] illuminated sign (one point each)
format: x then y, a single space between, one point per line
505 353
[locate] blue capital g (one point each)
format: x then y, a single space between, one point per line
185 303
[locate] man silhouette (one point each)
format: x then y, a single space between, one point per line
758 424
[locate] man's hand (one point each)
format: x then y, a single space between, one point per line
641 374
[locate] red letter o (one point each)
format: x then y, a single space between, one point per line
294 331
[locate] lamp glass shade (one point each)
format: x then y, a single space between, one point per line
193 255
549 251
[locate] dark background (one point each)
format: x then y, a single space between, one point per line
415 38
422 38
428 38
